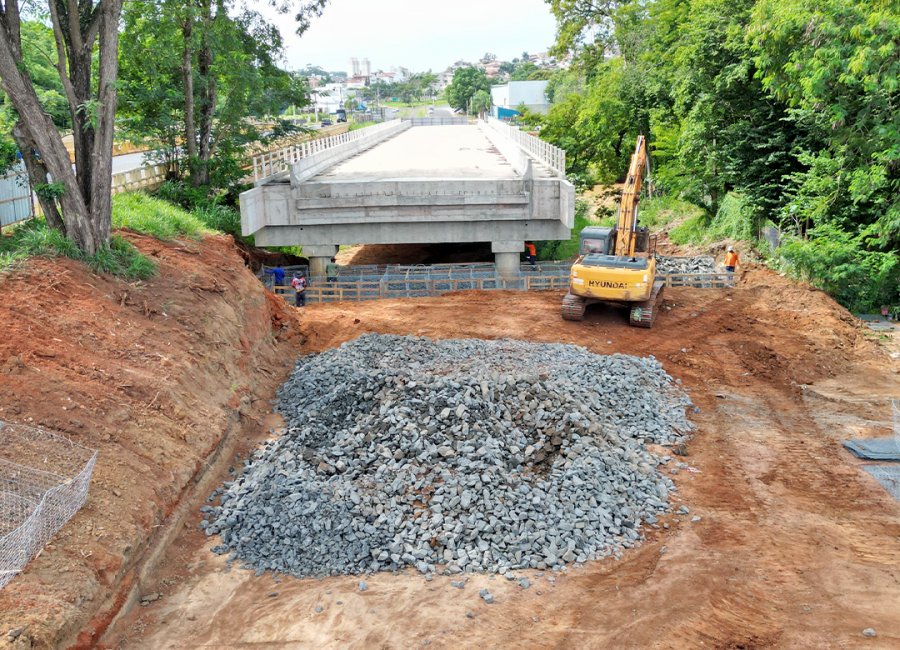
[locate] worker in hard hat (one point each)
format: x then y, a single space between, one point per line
731 259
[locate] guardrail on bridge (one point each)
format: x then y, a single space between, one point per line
550 155
275 162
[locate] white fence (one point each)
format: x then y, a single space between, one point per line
15 196
275 162
550 155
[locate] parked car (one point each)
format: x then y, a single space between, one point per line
326 122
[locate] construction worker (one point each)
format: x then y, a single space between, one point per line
277 274
530 254
299 283
731 259
331 270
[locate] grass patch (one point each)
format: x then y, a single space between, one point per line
221 218
122 259
662 210
733 221
35 239
151 216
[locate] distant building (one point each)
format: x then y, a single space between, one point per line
329 97
506 98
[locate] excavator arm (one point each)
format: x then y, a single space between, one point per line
628 208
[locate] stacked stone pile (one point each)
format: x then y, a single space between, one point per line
462 455
682 265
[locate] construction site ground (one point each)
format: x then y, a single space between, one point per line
795 545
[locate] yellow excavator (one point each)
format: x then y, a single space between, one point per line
618 265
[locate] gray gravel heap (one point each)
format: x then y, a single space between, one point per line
461 455
680 265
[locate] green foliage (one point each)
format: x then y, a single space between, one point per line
35 239
756 111
566 249
49 191
221 218
466 82
836 64
481 102
249 86
38 54
663 209
842 265
730 222
8 158
151 216
122 259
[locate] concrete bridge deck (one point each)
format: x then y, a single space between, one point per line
394 183
425 152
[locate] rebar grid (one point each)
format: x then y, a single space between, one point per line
895 408
44 480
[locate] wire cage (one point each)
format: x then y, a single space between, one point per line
44 480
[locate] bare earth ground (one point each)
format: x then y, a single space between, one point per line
153 375
796 546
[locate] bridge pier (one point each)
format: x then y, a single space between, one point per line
319 257
506 257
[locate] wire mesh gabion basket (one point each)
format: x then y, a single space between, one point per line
44 480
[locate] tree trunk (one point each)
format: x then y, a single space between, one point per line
82 126
107 96
38 175
187 73
38 128
207 97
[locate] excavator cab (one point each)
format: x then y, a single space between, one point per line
596 240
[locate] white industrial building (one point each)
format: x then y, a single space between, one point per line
506 98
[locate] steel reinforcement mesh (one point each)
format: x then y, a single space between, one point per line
895 409
375 281
44 480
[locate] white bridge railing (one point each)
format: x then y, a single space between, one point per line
550 155
275 162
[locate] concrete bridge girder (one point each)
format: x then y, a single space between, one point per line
363 203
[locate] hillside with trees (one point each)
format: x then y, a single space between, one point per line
757 112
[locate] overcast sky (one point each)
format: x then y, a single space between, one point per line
419 34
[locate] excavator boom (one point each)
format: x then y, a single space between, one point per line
628 217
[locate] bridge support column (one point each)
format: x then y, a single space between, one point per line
319 257
506 257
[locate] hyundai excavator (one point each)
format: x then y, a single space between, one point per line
618 265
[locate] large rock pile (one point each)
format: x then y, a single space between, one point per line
463 455
683 265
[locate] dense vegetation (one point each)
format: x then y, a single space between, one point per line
782 112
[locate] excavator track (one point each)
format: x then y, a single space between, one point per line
573 307
644 313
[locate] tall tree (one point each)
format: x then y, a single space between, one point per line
466 82
202 76
74 201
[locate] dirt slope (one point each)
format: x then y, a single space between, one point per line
795 545
154 376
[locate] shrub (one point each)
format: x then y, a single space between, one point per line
35 238
838 262
143 213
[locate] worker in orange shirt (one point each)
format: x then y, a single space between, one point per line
731 259
530 254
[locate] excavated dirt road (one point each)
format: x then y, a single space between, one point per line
795 545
